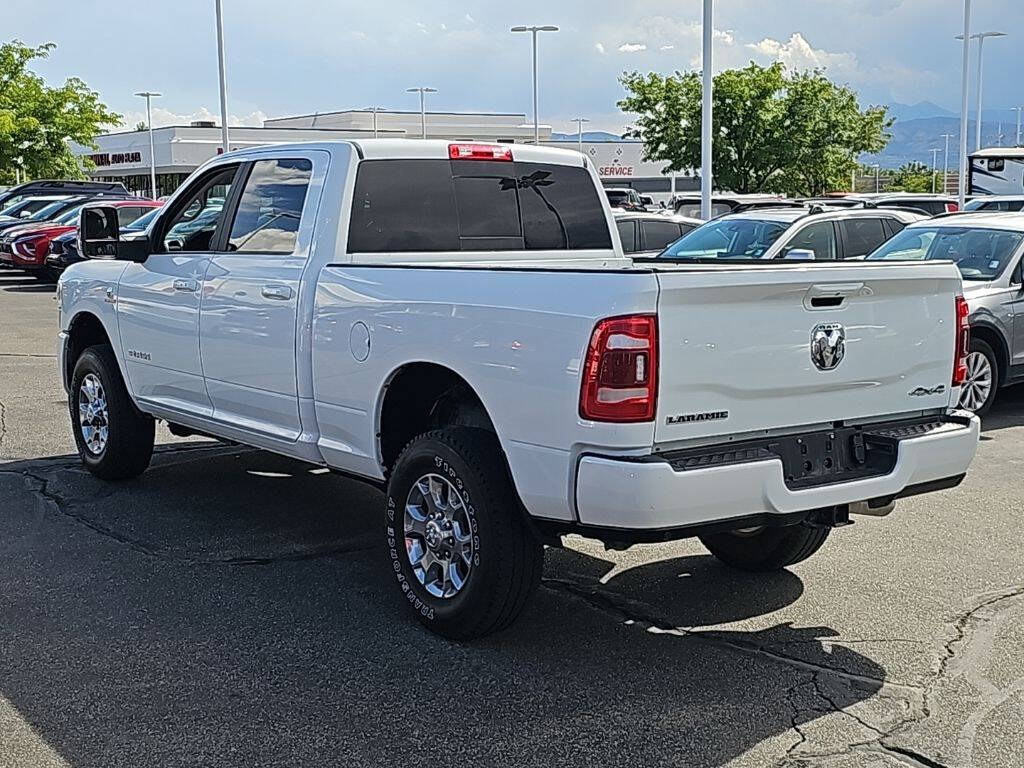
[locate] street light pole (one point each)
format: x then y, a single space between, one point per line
375 110
980 37
1017 142
945 165
223 79
964 66
935 158
148 95
878 169
422 91
533 30
579 131
705 115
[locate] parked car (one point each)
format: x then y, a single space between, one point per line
988 248
399 311
689 205
53 209
61 188
995 203
923 202
26 247
792 233
26 206
651 232
625 198
64 248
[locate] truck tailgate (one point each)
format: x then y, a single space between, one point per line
736 344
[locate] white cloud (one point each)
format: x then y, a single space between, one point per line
799 54
163 117
444 27
632 47
599 47
667 48
469 19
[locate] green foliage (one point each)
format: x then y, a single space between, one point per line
774 130
911 177
141 126
37 121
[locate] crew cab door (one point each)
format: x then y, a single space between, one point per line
249 311
158 300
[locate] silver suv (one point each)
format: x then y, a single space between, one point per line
988 248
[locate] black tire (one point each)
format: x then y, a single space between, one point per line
130 434
507 557
982 347
769 549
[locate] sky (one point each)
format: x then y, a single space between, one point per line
303 56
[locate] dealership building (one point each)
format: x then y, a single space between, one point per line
179 150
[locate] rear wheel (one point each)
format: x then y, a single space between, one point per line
114 440
464 558
765 549
979 390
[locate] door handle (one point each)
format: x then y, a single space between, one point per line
279 292
183 284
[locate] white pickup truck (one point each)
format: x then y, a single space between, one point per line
457 323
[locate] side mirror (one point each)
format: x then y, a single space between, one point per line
800 254
24 214
99 236
646 200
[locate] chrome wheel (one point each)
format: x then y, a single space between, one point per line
978 386
92 414
438 536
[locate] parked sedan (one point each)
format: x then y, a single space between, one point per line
996 203
651 232
689 205
63 251
791 233
988 248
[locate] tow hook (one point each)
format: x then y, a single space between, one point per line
829 517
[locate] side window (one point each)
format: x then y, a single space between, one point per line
560 208
627 234
195 221
126 214
403 205
861 236
269 210
894 226
685 229
819 237
658 234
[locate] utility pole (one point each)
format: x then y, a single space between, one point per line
1017 143
148 95
579 131
964 66
945 164
223 79
935 156
706 179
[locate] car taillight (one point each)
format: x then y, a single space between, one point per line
952 207
620 374
963 340
479 152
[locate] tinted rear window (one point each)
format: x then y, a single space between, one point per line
441 205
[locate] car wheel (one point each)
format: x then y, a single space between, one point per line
464 557
114 440
979 390
765 549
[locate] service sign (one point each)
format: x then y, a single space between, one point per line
612 171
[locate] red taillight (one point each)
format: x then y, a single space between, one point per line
620 375
952 207
479 152
963 340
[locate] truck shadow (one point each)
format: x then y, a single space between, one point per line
231 607
1007 411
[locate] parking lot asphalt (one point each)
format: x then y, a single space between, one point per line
232 608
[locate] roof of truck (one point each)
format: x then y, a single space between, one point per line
1012 220
417 149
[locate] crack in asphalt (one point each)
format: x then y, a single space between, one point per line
917 698
3 423
40 486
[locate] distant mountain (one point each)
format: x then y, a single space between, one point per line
923 109
587 136
912 140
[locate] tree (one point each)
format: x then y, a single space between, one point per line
774 130
37 121
911 177
141 125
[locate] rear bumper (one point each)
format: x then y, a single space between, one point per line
655 495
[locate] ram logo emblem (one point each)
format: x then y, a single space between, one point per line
828 346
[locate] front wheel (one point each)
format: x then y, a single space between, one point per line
464 559
114 440
765 549
979 390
